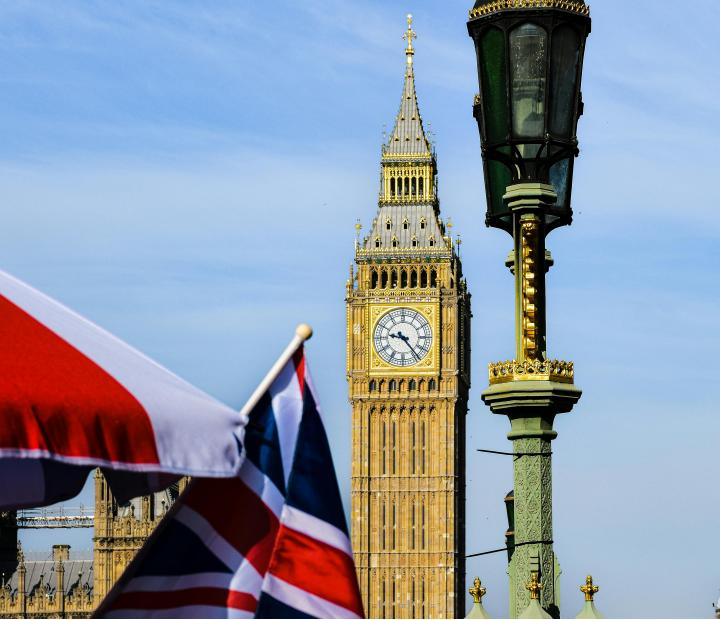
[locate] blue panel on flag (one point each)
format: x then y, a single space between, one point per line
262 442
270 607
176 547
313 486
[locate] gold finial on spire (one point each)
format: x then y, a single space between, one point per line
409 36
477 591
589 590
534 586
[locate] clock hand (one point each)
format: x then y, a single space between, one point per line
406 340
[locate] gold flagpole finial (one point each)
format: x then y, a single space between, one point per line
589 590
477 591
534 586
409 36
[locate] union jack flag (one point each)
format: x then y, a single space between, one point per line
271 543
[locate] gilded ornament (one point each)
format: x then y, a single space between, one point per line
534 586
536 370
498 5
589 590
477 591
529 242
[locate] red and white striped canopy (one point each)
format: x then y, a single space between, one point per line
73 396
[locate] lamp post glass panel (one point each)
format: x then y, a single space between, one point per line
529 59
529 69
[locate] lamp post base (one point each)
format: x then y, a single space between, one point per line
531 405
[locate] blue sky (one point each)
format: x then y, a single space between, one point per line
188 174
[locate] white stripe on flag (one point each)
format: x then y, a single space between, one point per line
315 528
179 582
262 486
304 601
231 557
287 405
239 613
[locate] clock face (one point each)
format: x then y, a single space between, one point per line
403 337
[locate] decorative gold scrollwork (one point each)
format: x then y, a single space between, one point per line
530 276
537 370
498 5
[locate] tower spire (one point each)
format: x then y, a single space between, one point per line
408 135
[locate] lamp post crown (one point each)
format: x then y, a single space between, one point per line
486 7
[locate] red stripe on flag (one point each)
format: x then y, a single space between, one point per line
55 398
238 515
299 362
213 597
316 567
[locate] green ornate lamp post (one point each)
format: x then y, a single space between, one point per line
529 55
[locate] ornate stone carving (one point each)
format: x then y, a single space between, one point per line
533 520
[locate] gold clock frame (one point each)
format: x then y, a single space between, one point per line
429 364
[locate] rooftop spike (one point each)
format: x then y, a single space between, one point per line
409 36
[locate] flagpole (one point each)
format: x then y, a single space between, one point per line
303 332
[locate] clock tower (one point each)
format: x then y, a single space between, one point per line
408 370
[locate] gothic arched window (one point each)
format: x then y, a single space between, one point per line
393 438
412 526
383 520
413 450
394 527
